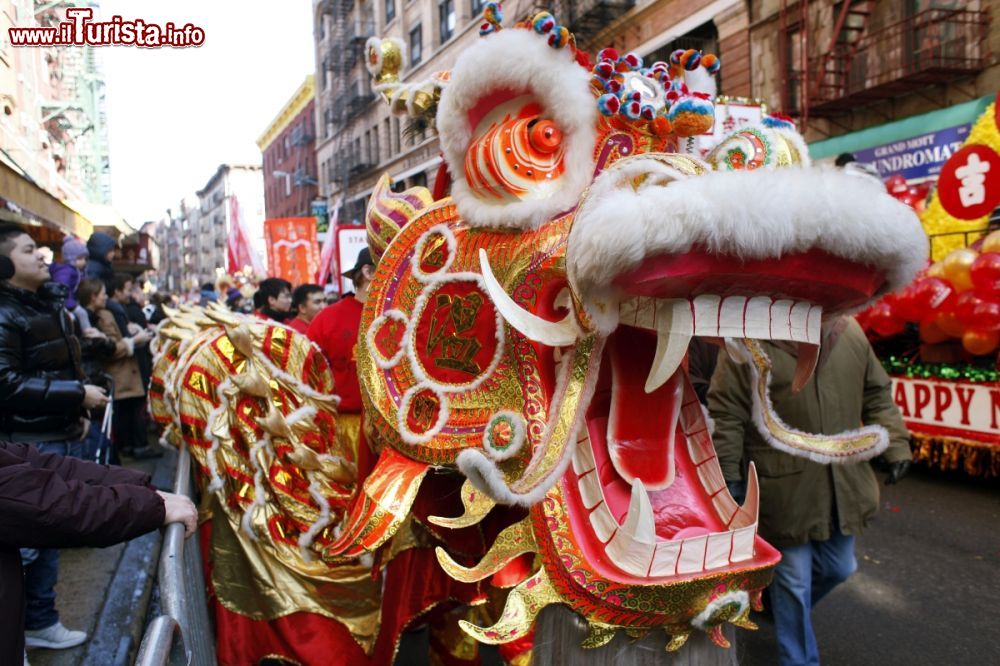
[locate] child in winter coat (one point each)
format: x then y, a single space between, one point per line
69 272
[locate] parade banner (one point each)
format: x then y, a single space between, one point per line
327 260
917 159
292 250
962 409
240 255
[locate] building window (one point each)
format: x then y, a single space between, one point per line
416 45
390 10
388 138
446 18
794 65
376 153
399 146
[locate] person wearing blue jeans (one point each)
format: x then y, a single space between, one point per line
41 573
809 511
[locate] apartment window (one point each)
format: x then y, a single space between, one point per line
399 146
388 138
446 19
376 153
794 65
477 8
390 10
416 45
368 148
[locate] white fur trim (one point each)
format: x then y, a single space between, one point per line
519 60
410 437
302 413
259 492
418 310
748 214
704 619
757 412
306 538
517 439
387 363
418 250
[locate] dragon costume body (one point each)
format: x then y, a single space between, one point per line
528 333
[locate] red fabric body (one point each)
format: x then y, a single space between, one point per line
335 330
299 325
305 638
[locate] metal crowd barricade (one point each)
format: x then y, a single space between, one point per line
182 633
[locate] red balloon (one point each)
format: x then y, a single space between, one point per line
986 316
931 334
906 306
882 320
965 308
949 323
933 295
985 273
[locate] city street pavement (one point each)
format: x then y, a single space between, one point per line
926 587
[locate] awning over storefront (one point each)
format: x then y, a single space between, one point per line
23 202
901 130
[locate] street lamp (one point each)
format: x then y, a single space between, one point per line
288 181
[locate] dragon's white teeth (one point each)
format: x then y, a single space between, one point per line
758 318
603 522
747 514
639 519
743 543
590 490
583 455
707 315
692 557
673 335
731 317
665 558
717 552
781 327
711 477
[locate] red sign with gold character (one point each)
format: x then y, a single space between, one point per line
292 249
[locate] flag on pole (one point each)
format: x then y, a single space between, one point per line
327 260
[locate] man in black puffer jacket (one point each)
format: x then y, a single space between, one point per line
42 399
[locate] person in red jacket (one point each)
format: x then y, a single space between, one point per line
335 330
53 501
307 302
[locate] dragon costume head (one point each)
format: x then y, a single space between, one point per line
531 329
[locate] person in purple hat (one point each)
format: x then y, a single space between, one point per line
69 272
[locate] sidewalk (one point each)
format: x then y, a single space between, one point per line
89 593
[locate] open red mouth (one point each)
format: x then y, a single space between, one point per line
646 489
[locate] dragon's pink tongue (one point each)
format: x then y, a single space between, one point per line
641 426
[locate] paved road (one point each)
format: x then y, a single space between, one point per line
926 587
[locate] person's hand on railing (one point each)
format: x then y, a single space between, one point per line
179 509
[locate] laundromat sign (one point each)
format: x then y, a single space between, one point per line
918 158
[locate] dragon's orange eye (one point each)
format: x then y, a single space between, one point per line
545 137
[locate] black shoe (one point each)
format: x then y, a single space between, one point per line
147 453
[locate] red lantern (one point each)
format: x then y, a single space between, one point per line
985 273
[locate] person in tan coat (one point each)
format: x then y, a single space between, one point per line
810 511
122 367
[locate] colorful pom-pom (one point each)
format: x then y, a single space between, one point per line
543 23
486 29
608 104
648 112
692 60
659 67
633 60
634 96
559 37
691 116
711 63
605 69
660 126
608 54
493 12
613 86
632 110
675 57
778 121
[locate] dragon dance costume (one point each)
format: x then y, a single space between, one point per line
521 362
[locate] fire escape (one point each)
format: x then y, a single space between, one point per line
587 19
347 96
860 64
